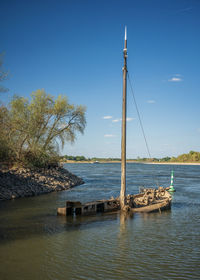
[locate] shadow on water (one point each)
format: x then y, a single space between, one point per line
29 225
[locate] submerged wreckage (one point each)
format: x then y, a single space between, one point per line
149 200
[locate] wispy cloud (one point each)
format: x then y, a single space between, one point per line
109 135
151 101
128 119
176 78
116 120
107 117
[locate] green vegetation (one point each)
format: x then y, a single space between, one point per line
82 158
74 158
146 159
32 131
191 157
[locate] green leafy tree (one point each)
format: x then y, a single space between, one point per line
166 159
192 156
6 145
37 128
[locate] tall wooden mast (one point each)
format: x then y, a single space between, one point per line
123 140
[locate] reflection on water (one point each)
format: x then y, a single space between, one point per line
124 218
35 243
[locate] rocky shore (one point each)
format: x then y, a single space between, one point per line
23 182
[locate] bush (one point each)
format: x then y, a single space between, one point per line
39 159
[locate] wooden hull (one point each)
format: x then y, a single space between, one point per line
90 208
156 207
150 201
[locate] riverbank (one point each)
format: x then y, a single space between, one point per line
24 182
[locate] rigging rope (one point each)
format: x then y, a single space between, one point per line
141 125
138 113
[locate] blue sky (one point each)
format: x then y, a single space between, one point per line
75 48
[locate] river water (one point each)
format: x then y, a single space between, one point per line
37 244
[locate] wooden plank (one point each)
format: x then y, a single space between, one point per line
153 207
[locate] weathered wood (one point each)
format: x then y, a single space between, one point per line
123 140
89 208
61 211
158 206
150 200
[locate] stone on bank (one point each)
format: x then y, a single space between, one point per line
24 182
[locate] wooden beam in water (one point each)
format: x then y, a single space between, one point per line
100 206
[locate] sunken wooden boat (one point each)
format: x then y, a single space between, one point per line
150 200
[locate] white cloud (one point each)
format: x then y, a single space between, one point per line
127 119
116 120
130 119
151 101
175 79
107 117
109 135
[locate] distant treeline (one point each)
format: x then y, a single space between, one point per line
82 158
192 156
74 158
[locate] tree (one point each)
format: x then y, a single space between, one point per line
166 159
192 156
6 147
37 128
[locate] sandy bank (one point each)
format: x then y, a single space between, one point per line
23 182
